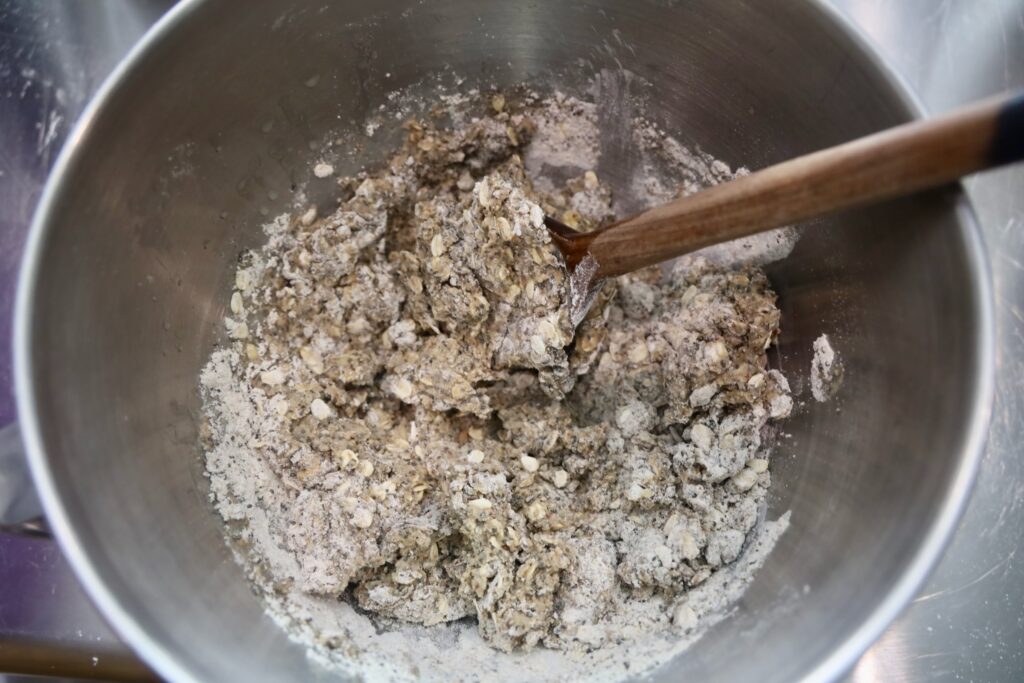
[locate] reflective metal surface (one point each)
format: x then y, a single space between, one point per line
53 56
130 259
966 624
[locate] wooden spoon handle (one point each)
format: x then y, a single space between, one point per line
898 161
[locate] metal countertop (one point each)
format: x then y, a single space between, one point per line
967 624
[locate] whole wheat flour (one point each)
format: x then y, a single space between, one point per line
425 460
826 370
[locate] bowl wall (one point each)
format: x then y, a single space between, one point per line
211 127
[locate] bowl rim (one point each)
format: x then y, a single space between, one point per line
166 664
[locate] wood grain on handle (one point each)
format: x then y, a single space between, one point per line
895 162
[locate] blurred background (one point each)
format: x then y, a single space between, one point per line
965 625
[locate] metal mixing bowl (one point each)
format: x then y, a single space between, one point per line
208 126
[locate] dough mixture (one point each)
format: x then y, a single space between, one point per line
405 417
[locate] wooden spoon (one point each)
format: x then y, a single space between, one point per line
898 161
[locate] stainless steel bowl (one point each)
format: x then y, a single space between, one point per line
211 122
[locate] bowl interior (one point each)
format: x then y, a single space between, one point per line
211 130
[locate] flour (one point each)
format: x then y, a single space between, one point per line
670 170
566 142
408 418
826 370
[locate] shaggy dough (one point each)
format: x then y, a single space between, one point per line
444 444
